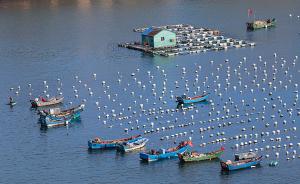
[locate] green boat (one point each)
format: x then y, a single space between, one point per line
258 24
194 156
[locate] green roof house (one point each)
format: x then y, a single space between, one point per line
158 38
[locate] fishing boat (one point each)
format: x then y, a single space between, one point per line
58 114
13 103
154 155
258 24
48 123
241 164
98 143
194 156
42 102
138 143
187 100
52 121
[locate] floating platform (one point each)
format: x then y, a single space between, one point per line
189 40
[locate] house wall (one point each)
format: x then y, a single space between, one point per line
147 40
169 39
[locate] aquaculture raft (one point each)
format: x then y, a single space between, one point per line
189 40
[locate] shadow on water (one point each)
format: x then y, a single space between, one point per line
204 163
100 151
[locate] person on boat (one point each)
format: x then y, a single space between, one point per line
11 100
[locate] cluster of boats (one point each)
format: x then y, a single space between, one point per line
182 152
53 117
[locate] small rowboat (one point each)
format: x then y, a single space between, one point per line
49 123
42 103
11 103
241 164
52 121
97 143
132 145
194 156
187 100
154 155
57 114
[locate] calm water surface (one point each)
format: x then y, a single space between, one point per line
45 40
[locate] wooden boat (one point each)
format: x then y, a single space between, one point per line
49 121
136 144
154 155
194 156
258 24
46 102
11 103
241 164
57 114
97 143
187 100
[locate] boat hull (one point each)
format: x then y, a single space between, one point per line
75 114
94 145
139 143
232 167
182 100
205 156
262 24
150 158
49 122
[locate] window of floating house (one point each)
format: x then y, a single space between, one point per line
171 40
162 38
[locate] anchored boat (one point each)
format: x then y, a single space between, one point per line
241 164
46 102
136 144
58 114
258 24
154 155
97 143
48 122
194 156
187 100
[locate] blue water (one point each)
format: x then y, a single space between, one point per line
46 40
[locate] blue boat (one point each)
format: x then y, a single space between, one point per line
241 164
154 155
50 122
136 144
97 143
58 115
188 100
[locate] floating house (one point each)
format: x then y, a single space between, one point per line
158 38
